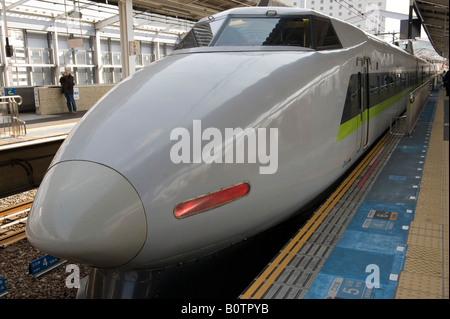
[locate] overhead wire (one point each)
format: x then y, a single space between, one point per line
352 9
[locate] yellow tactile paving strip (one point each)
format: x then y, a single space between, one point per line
426 271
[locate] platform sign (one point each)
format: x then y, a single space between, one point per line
36 100
42 265
76 93
3 290
135 47
10 91
75 43
343 288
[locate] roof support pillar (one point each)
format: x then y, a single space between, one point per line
126 36
4 42
98 71
411 11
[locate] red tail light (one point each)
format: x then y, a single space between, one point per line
210 201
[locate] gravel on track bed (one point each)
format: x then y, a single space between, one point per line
14 267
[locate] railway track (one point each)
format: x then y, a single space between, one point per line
12 223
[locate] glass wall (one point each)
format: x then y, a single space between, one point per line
35 63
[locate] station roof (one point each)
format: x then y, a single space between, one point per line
434 16
150 15
190 9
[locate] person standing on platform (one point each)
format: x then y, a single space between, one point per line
67 83
447 82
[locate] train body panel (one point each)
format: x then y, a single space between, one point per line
167 130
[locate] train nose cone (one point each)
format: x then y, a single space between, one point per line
87 213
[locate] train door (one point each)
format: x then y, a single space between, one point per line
364 93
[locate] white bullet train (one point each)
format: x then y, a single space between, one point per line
256 112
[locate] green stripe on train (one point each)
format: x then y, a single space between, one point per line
352 125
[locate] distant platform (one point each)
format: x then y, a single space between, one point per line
42 127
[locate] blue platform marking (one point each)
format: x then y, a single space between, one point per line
368 241
3 289
372 249
397 178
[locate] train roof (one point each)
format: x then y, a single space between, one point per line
264 10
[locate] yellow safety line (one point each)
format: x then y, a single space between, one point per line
289 252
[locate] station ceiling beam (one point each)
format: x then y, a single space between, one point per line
187 9
434 15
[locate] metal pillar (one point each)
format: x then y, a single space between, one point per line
126 35
411 11
3 42
98 72
57 74
157 51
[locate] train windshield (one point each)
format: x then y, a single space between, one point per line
306 31
266 31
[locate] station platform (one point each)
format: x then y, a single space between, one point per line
383 234
40 127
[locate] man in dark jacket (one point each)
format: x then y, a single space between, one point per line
446 82
67 83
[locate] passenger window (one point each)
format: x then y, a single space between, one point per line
404 81
352 100
374 84
325 36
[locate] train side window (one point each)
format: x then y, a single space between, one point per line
200 35
384 84
403 75
390 81
374 84
352 100
325 38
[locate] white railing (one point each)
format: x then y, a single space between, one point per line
12 125
416 103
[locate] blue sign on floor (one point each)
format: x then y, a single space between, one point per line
343 288
41 264
2 286
397 178
380 220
